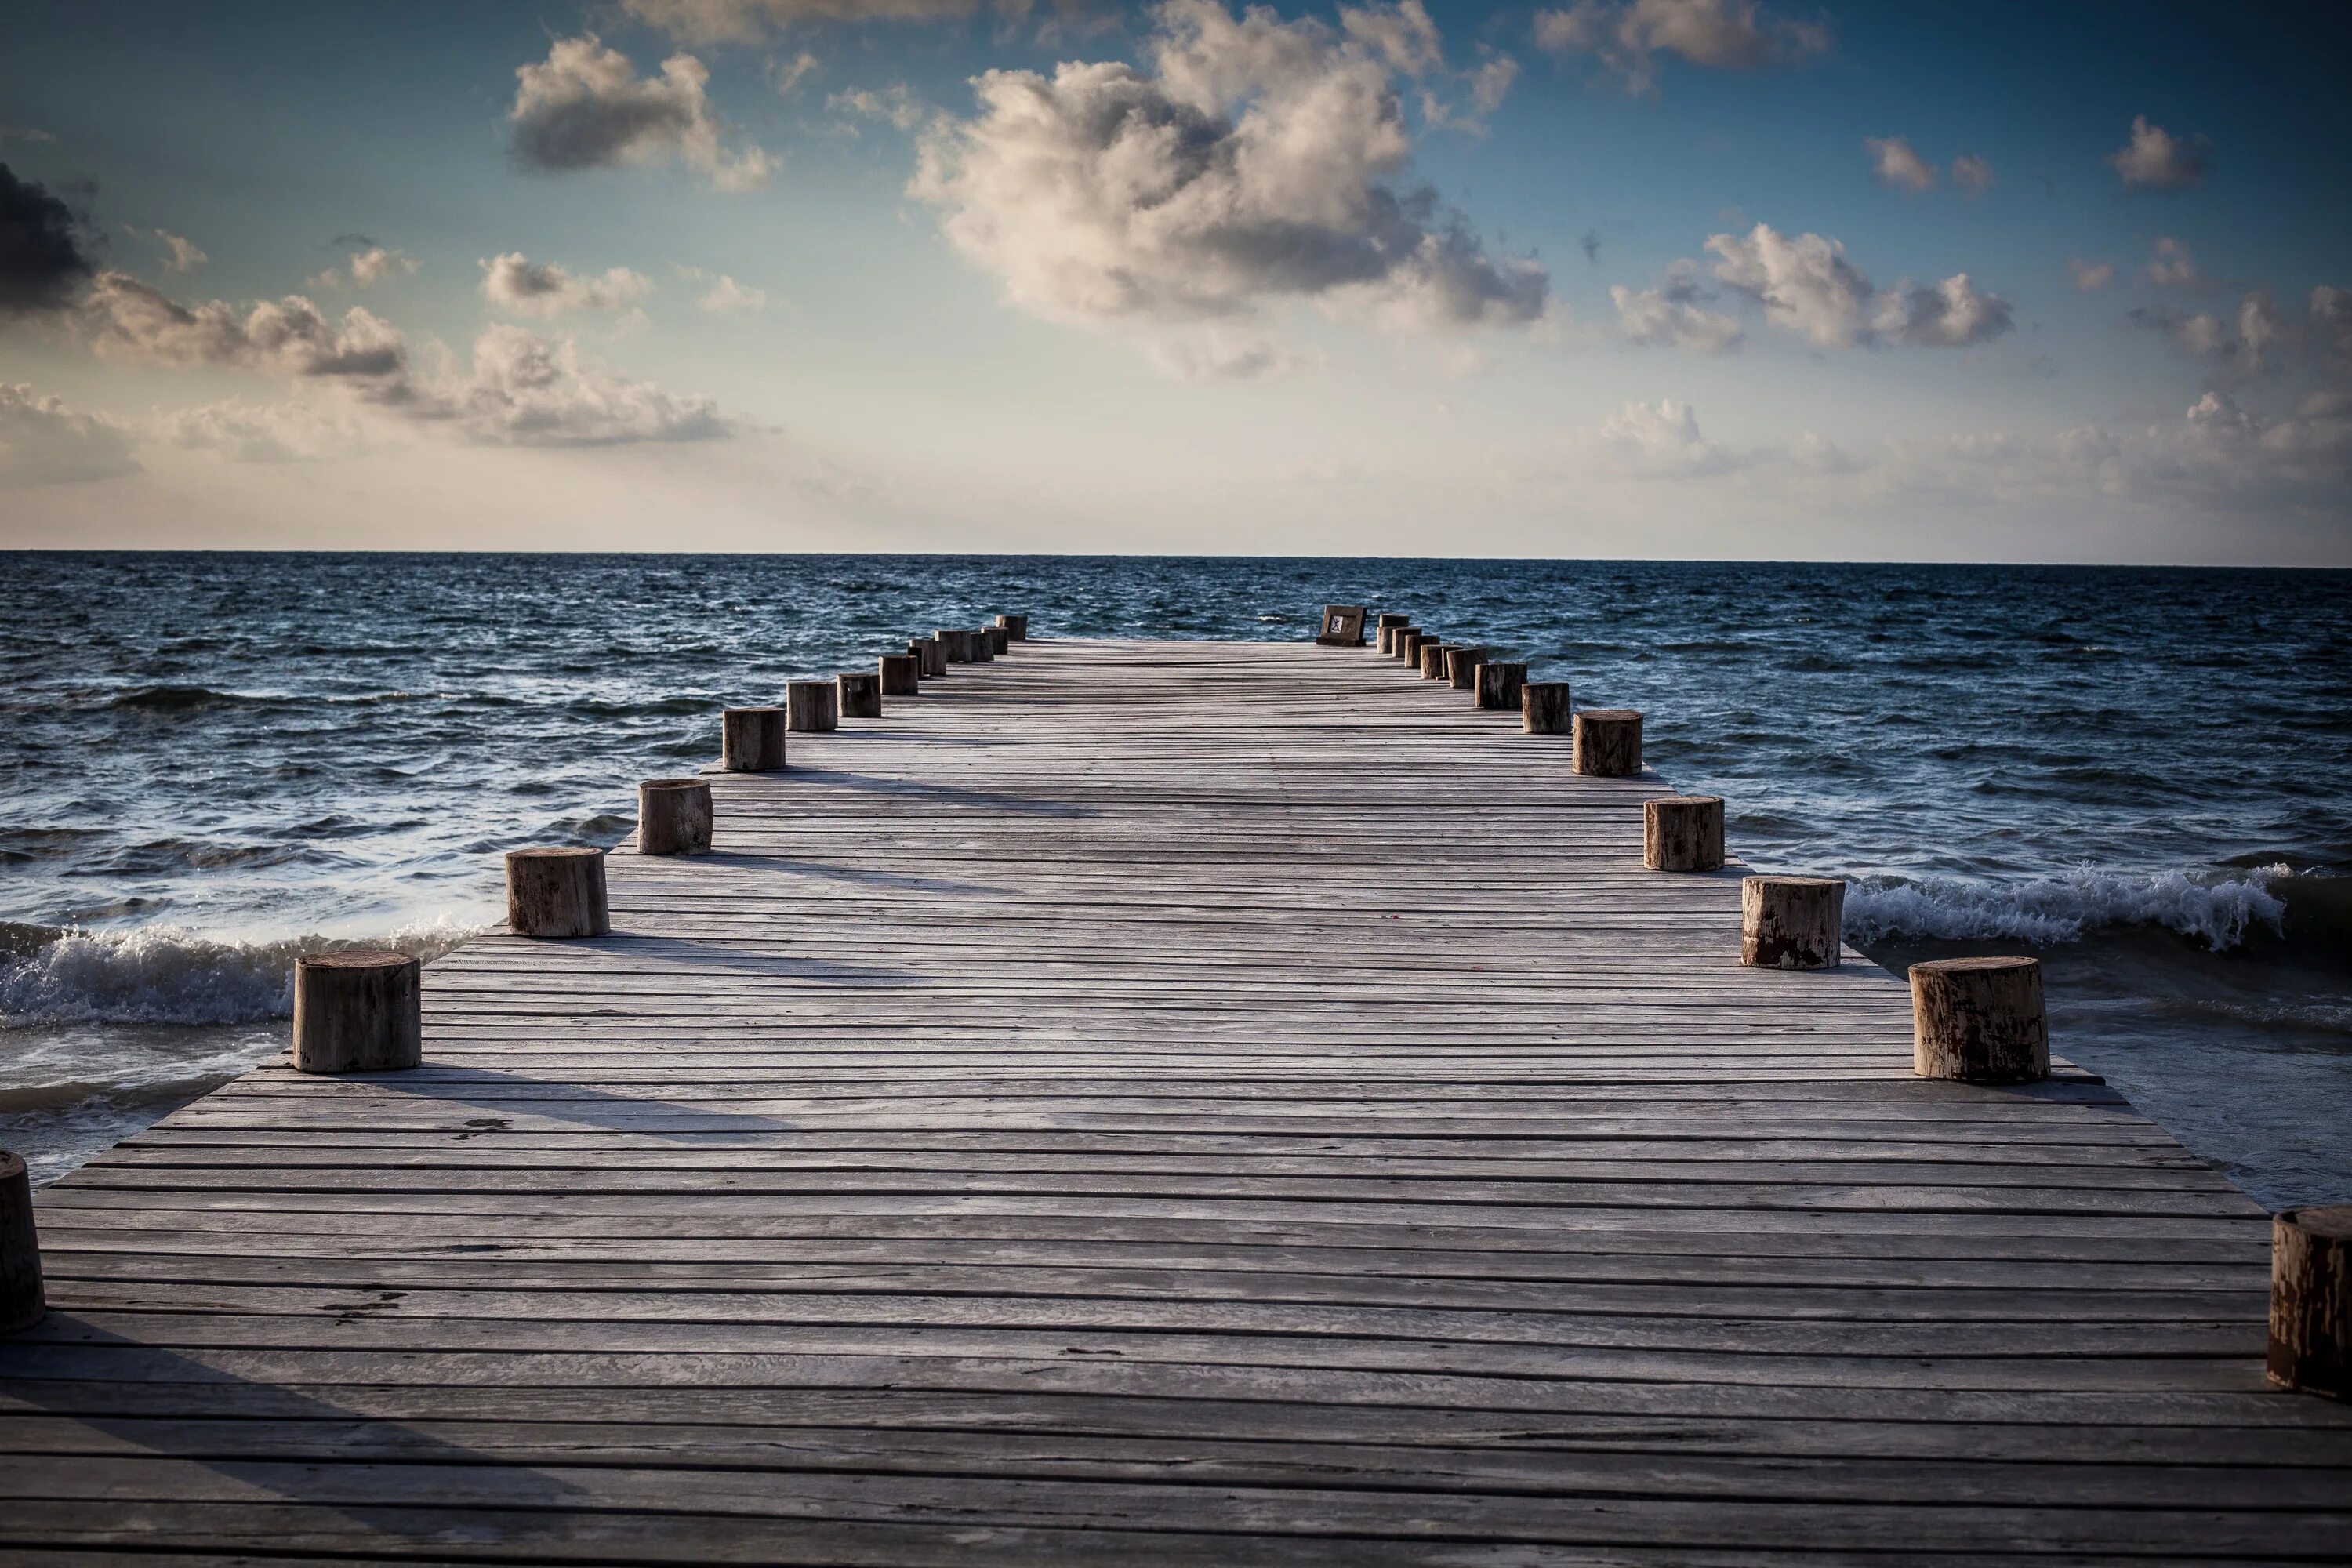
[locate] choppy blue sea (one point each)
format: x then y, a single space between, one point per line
209 763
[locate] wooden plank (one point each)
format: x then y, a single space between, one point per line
1159 1103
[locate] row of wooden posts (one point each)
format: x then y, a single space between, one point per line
1974 1020
1977 1020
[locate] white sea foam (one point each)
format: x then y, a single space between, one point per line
171 974
2218 910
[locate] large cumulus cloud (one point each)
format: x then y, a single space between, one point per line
1806 286
42 258
584 107
1256 161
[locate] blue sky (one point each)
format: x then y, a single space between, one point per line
1362 319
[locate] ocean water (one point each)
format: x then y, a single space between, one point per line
211 762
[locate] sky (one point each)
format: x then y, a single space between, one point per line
1714 279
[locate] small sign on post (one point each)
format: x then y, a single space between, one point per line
1343 627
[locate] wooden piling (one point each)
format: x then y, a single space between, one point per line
358 1012
1683 832
1543 708
2311 1301
1462 662
1791 922
1000 641
556 892
1608 742
1499 685
751 740
1433 660
22 1304
812 706
901 674
1385 629
1406 645
860 694
674 817
1017 628
933 654
1980 1020
955 647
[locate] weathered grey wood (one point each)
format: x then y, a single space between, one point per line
1499 684
1544 709
955 646
1017 628
1406 645
1791 922
980 646
1980 1020
860 694
22 1304
1608 742
1683 832
1462 662
751 740
901 674
357 1011
674 817
2311 1301
811 707
557 891
932 653
1068 1125
1000 641
1433 659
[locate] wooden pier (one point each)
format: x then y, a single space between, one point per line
1153 1103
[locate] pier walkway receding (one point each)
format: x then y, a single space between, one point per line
1154 1103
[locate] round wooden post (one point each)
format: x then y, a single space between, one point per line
1386 628
811 705
1791 922
358 1012
21 1302
751 740
933 654
955 647
978 649
1433 660
673 817
2311 1301
556 892
861 694
901 674
1683 832
1543 708
1608 742
1406 646
1980 1020
1500 686
1462 662
1017 628
1000 641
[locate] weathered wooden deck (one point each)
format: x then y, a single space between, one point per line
1146 1103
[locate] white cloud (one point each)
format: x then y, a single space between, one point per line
584 107
2172 266
2155 160
524 390
725 296
1673 317
748 21
1897 166
1950 315
1972 173
1251 166
788 74
2091 276
518 389
289 336
298 431
1806 286
2331 319
2247 345
512 283
1628 37
179 255
1658 440
895 105
43 442
368 268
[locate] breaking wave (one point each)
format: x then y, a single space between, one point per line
2220 909
169 974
